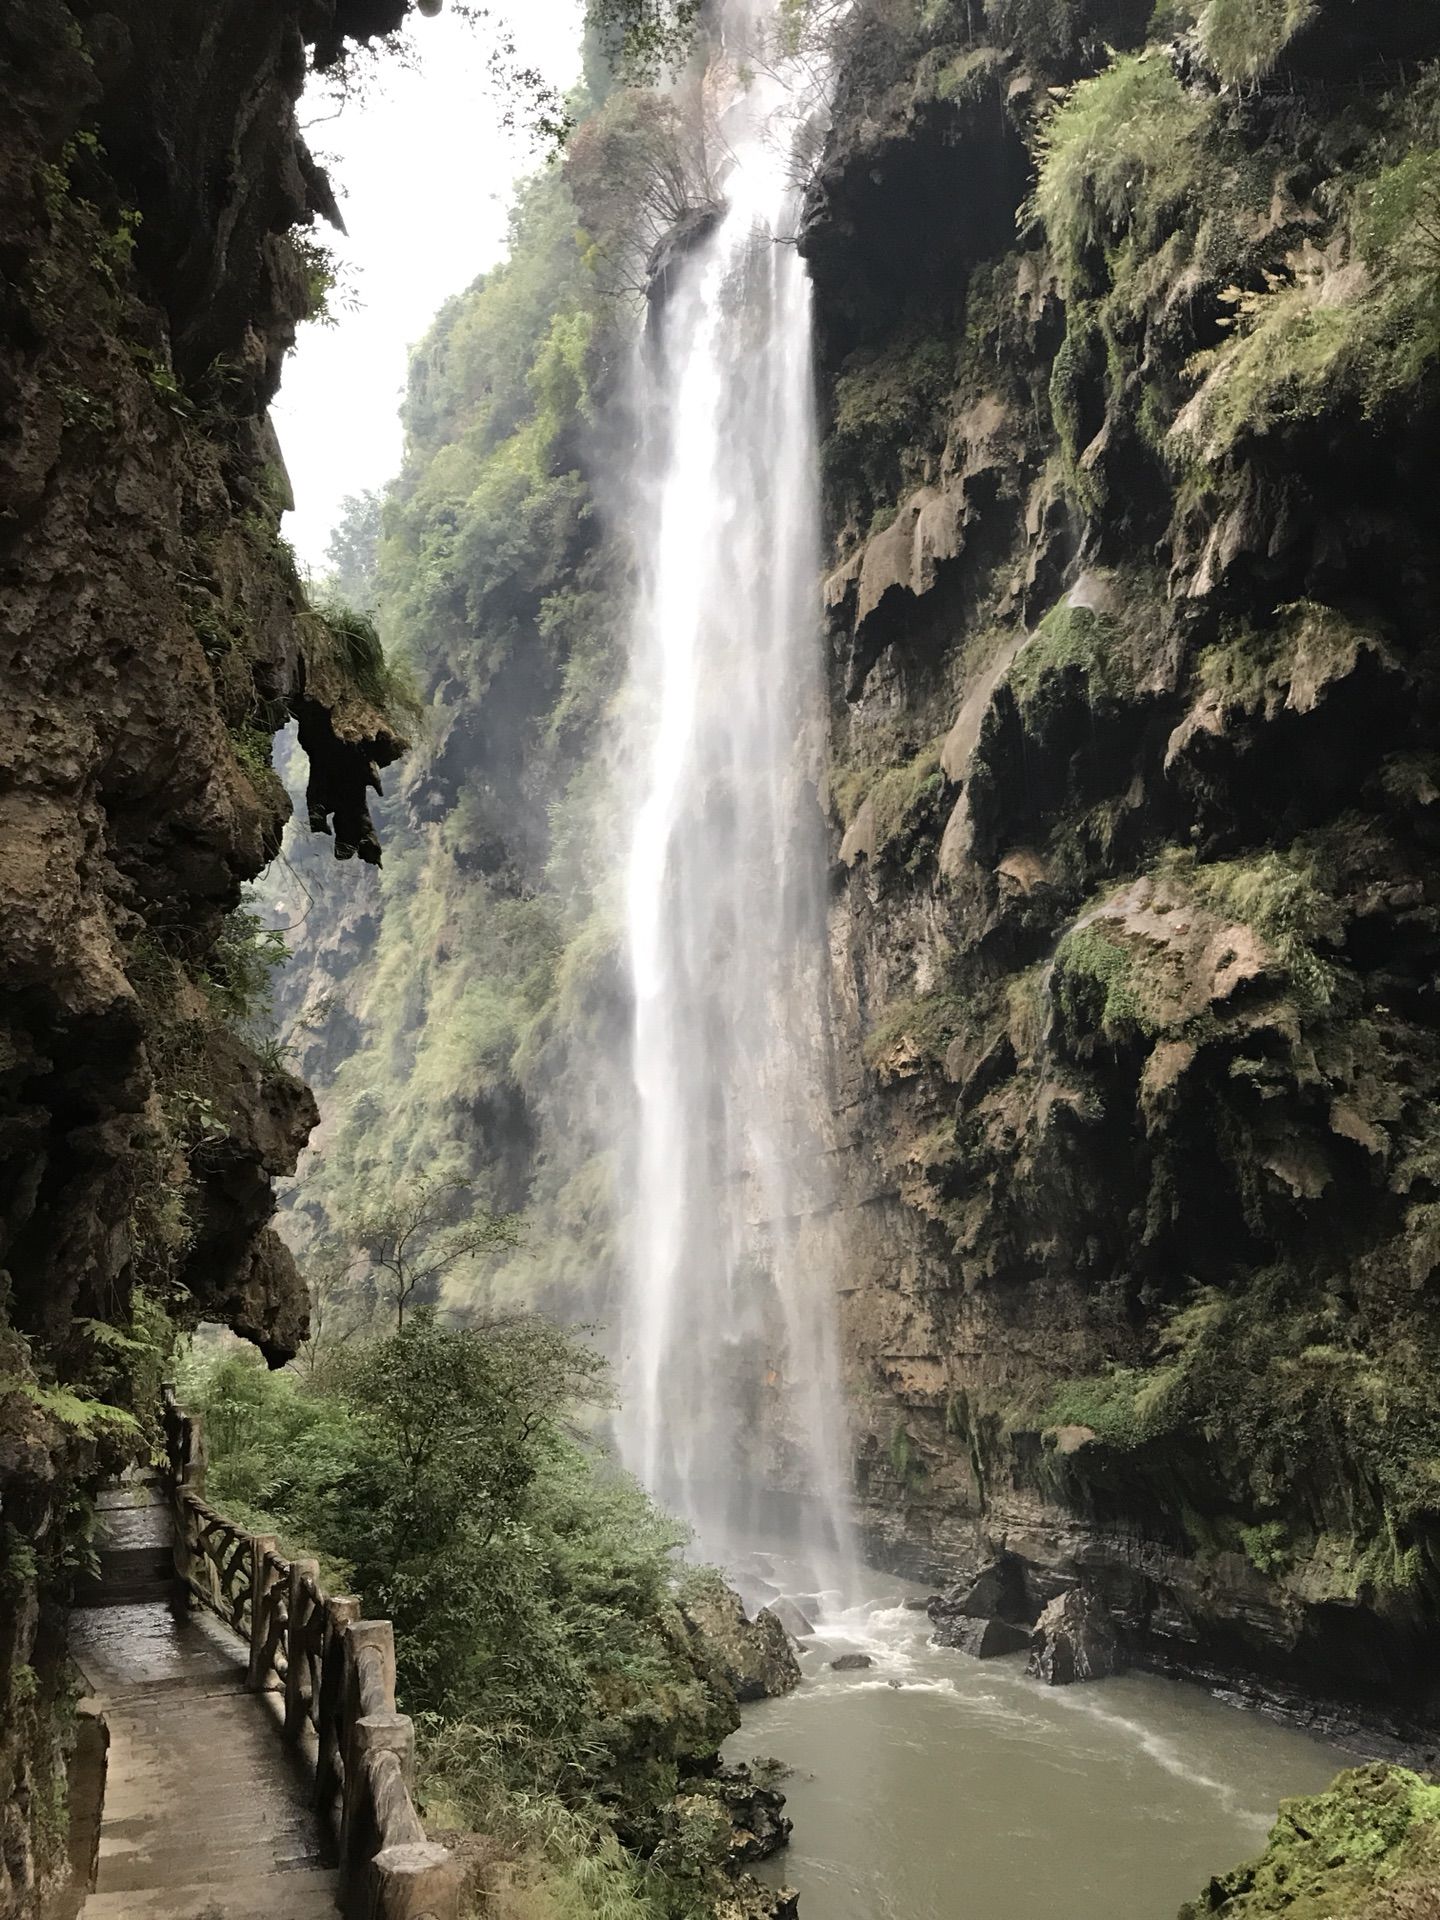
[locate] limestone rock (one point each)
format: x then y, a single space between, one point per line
997 1591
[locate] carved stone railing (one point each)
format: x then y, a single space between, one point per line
337 1676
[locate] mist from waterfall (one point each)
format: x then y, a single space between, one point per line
731 1379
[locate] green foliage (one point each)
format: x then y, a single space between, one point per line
572 1867
1284 895
1370 1843
1318 335
1244 39
532 1585
1094 985
1046 31
1255 669
417 1234
85 1416
348 643
925 1024
889 411
1115 159
492 968
321 277
902 801
1268 1546
1110 1404
1106 980
1073 639
352 552
907 1460
241 970
1078 367
1297 1399
254 749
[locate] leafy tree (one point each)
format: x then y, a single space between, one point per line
351 554
413 1239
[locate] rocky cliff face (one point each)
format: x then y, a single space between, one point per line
1129 354
156 204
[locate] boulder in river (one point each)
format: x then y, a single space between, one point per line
791 1617
852 1662
1074 1640
759 1825
997 1591
981 1639
754 1657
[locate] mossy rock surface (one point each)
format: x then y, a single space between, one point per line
1367 1848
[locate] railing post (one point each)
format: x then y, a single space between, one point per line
341 1612
370 1666
193 1457
263 1580
416 1882
360 1831
301 1625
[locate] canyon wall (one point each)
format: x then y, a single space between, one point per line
1128 332
157 249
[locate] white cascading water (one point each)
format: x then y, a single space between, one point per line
731 1380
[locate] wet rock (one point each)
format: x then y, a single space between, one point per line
996 1592
916 1605
792 1618
754 1657
751 1901
982 1639
1074 1640
852 1662
690 231
756 1813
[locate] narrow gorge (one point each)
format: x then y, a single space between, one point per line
909 914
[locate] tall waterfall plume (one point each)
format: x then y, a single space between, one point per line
731 1382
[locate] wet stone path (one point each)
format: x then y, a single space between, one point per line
204 1816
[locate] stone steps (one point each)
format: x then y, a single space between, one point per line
133 1550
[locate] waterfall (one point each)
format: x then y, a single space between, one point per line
731 1380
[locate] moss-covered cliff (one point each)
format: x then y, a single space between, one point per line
156 236
1130 343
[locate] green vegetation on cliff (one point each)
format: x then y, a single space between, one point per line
478 991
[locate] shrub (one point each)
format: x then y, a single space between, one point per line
1243 39
349 642
1317 337
1116 156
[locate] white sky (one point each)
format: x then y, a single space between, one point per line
424 175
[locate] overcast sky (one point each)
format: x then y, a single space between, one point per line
425 176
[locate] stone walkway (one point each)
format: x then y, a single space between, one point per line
205 1818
